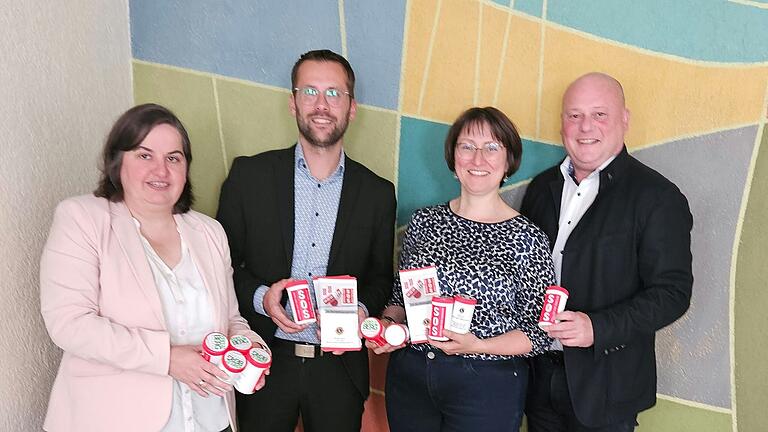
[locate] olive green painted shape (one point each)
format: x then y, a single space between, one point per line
751 302
256 119
191 97
370 140
669 416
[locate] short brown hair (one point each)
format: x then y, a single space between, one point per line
325 55
501 128
126 135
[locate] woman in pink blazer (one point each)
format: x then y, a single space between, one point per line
131 280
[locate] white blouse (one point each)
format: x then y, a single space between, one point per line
189 318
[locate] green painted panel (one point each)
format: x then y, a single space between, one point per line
191 97
751 298
370 140
668 416
254 119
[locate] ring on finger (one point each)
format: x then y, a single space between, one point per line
200 384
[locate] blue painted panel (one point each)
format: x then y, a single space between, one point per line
374 47
256 41
531 7
423 177
502 2
696 29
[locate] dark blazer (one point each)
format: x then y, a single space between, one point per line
256 209
627 264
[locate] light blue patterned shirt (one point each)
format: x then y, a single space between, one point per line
316 203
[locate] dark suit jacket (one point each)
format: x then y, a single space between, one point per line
256 209
627 264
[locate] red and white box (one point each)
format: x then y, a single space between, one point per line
554 302
442 309
214 346
463 310
232 363
396 334
373 330
301 302
240 343
419 286
337 304
258 360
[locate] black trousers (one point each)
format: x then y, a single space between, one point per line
319 389
548 407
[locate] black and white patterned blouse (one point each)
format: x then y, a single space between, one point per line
506 266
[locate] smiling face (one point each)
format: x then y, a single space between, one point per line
482 171
321 124
153 175
594 122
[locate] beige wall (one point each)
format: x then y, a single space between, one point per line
64 77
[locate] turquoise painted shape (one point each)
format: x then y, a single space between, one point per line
530 7
374 48
423 177
709 30
257 41
502 2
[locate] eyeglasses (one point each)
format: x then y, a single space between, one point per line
490 150
309 95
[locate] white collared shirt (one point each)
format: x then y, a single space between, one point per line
189 318
574 202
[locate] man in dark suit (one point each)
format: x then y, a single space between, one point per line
620 234
301 212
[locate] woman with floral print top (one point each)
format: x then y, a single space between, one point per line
486 250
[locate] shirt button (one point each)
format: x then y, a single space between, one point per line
317 214
318 185
578 193
431 355
309 274
313 245
182 332
569 222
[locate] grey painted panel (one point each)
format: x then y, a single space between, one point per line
693 353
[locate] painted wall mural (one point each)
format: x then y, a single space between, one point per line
695 73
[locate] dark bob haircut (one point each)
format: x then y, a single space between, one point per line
325 56
501 128
126 135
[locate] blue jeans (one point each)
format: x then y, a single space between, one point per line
436 392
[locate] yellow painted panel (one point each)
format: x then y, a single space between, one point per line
451 82
421 16
520 77
190 96
697 98
494 23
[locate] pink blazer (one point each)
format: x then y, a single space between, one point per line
101 306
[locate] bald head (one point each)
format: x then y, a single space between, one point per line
598 80
594 121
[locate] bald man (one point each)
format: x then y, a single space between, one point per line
621 244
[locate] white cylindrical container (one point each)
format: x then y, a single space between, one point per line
214 346
461 318
233 362
396 334
241 344
259 360
372 330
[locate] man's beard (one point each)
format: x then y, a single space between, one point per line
336 134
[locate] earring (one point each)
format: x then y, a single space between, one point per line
455 176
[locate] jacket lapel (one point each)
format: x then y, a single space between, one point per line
350 189
125 230
285 195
